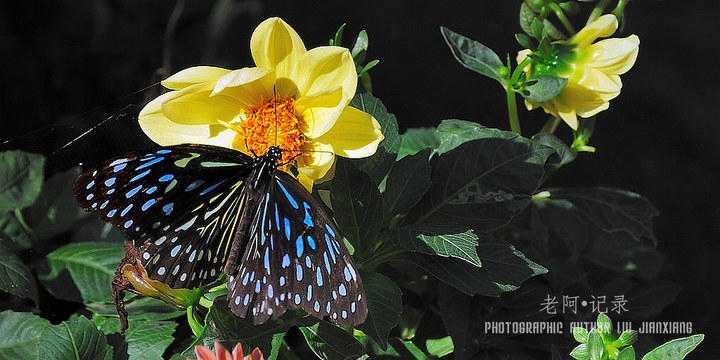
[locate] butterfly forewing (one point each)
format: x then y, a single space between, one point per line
198 210
183 202
295 258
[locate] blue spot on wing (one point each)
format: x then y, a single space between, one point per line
291 199
151 163
307 220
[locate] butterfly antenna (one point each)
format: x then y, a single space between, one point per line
276 119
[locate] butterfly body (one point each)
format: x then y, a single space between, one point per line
200 210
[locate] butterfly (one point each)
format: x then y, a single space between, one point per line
200 210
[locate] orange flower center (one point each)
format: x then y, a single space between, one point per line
272 123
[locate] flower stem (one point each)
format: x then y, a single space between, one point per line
511 99
560 14
551 125
598 10
620 8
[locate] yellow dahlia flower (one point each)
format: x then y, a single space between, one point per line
593 70
294 98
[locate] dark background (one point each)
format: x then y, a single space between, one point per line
66 65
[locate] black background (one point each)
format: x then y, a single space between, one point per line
67 63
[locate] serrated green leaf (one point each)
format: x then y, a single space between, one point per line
76 338
417 139
406 183
13 235
595 345
91 265
440 347
473 55
378 165
224 326
675 349
438 239
542 87
21 177
147 340
16 278
357 204
138 308
483 183
613 209
331 342
21 334
504 268
384 303
388 123
562 155
455 313
55 209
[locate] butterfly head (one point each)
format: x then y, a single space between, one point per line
273 154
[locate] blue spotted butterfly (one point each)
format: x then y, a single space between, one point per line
199 210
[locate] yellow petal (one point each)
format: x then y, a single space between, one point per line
247 85
614 56
356 134
276 46
320 112
327 67
603 26
316 162
194 75
193 105
522 54
166 132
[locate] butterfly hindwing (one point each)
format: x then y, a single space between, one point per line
183 202
295 258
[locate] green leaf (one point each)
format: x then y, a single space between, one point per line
562 155
76 338
525 41
628 337
455 313
543 87
580 334
16 278
56 209
380 163
149 339
627 353
473 55
483 183
21 334
360 45
619 252
21 177
388 123
406 183
580 352
331 342
224 326
407 349
438 239
595 345
675 349
13 235
454 132
384 303
138 308
417 139
503 268
440 347
91 265
604 325
613 209
357 204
